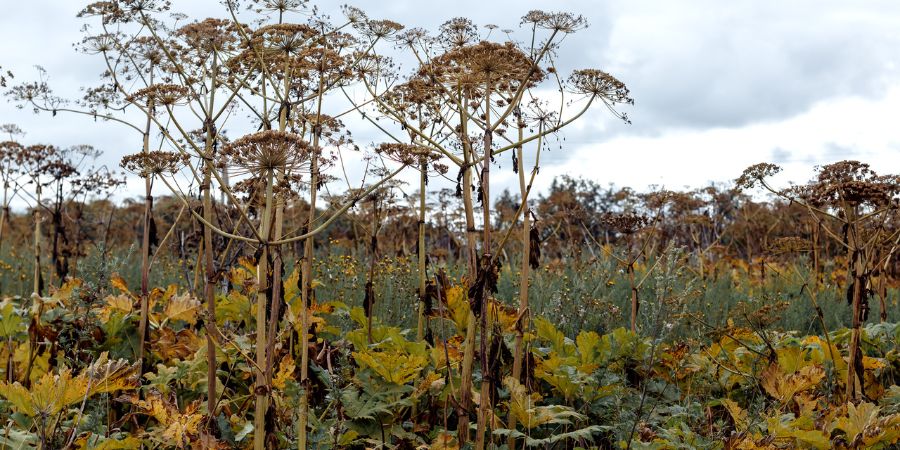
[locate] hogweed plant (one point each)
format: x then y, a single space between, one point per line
467 91
179 84
855 207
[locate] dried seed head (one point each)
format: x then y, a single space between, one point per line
408 154
108 11
210 35
31 159
627 223
101 43
9 151
561 21
756 173
790 244
279 6
458 32
381 28
58 170
855 183
473 67
354 15
160 94
148 164
600 84
284 38
263 153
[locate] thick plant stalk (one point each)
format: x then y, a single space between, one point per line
420 327
634 296
37 242
465 384
145 250
263 283
484 407
209 294
209 291
524 274
5 211
858 266
306 291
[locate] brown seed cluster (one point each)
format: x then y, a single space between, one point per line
788 245
755 174
600 84
472 68
627 223
853 183
266 152
408 154
148 164
160 94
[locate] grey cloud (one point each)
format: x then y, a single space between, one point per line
780 155
734 63
836 152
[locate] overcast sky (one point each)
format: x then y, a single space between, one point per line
717 85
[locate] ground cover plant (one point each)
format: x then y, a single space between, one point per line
262 295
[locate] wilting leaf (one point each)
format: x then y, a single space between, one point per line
783 386
171 345
119 284
52 392
738 415
285 372
522 404
115 304
863 426
182 307
176 427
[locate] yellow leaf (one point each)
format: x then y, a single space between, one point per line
783 387
738 415
862 425
63 295
52 393
119 283
169 344
176 427
121 304
522 406
394 366
444 441
285 370
182 307
458 306
291 286
106 375
234 307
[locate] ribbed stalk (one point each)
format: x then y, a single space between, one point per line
420 328
524 273
484 408
263 282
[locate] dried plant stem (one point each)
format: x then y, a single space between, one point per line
264 285
465 384
524 275
143 326
487 262
423 174
306 289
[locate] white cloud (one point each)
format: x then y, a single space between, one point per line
832 130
